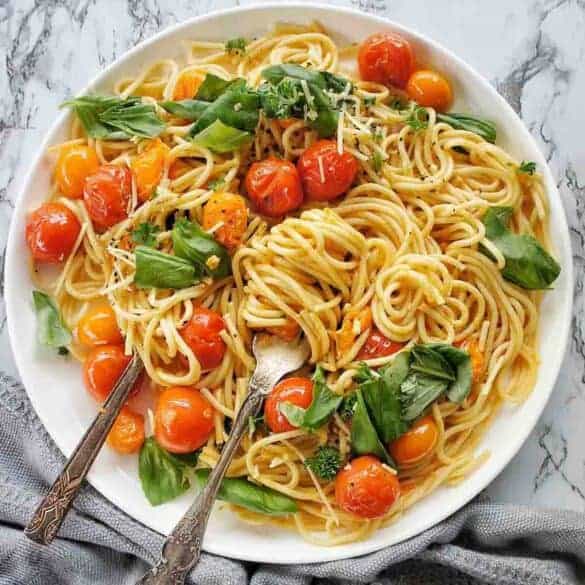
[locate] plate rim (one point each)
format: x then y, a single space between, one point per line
359 548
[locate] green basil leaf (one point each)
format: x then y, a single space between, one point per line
364 438
430 362
213 86
51 329
321 79
461 362
186 109
156 269
162 476
115 118
192 243
221 138
528 264
484 128
244 493
417 392
324 404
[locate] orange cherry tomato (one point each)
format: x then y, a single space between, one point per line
107 194
127 433
183 419
298 391
102 368
386 58
429 88
187 85
354 323
274 187
74 164
230 210
287 332
366 488
378 345
51 232
202 335
98 326
326 174
416 443
148 168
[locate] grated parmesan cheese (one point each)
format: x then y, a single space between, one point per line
340 131
321 170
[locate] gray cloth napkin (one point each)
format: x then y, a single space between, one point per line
484 543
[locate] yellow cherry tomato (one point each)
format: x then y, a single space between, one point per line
430 89
416 443
75 163
99 327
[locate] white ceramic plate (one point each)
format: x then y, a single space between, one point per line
55 386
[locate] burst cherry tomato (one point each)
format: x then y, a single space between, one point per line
287 332
297 391
102 368
127 434
148 168
51 232
386 58
326 174
230 210
416 443
429 88
202 335
98 326
183 420
74 164
274 187
107 194
378 345
366 488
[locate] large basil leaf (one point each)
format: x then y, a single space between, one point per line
156 269
191 243
324 404
461 362
51 329
430 362
244 493
213 86
418 392
528 264
186 109
163 476
484 128
220 138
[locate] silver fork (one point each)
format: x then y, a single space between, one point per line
182 549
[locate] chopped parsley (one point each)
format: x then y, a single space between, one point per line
377 161
236 46
527 167
325 463
216 184
145 234
418 118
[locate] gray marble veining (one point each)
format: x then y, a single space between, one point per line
532 50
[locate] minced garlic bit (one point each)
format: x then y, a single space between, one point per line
212 262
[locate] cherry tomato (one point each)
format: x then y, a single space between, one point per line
285 123
416 443
378 345
74 164
178 168
230 210
386 58
102 368
287 332
183 419
98 326
187 85
298 391
429 88
366 488
148 168
51 232
326 174
202 335
107 194
354 323
127 433
274 187
471 346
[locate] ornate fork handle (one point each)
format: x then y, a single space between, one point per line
51 512
182 549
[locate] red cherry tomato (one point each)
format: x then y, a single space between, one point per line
297 391
366 488
202 335
183 420
274 187
107 194
326 174
102 368
378 345
51 232
386 58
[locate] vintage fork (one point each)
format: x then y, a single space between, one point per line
182 548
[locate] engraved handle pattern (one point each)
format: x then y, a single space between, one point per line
51 512
182 549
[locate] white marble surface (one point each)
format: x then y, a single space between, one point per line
532 50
